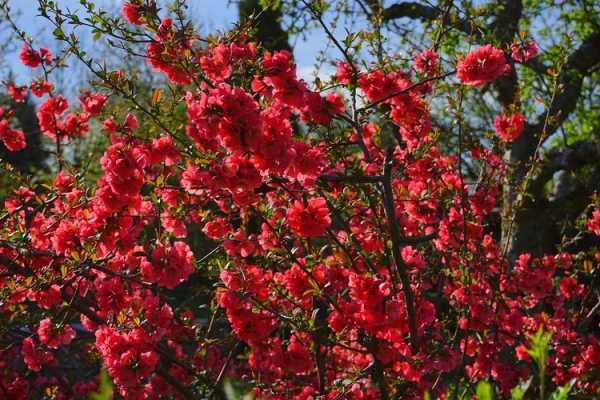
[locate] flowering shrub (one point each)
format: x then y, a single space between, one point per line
351 258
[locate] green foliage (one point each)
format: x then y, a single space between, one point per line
540 347
274 5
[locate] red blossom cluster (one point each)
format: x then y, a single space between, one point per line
57 126
13 139
426 62
358 274
34 58
132 13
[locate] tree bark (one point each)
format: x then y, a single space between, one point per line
526 224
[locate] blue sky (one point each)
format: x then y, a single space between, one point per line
212 15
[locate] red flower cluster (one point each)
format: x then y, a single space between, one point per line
34 58
14 140
310 220
169 266
52 336
128 357
426 62
221 59
269 236
40 87
345 73
54 125
18 93
166 53
34 356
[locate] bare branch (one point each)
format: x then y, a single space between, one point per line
390 211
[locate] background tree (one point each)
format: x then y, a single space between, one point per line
24 114
266 20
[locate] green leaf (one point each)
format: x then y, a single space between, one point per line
562 393
105 390
518 392
59 34
484 391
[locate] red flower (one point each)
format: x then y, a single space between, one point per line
123 171
75 125
377 85
63 182
593 224
295 281
92 103
163 150
46 56
14 140
217 228
228 114
524 52
53 336
481 66
218 63
569 287
509 127
34 356
65 236
320 110
309 221
132 13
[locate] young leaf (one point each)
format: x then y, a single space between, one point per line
562 393
105 390
518 392
485 391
